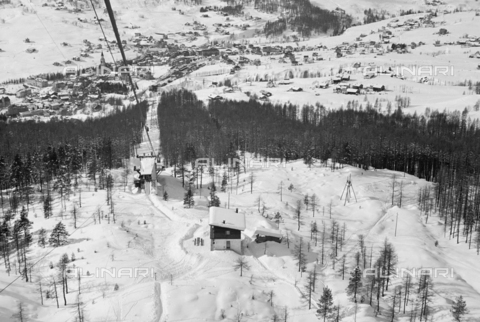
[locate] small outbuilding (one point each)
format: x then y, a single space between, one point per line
4 101
263 235
378 88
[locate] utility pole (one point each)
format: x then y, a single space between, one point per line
396 222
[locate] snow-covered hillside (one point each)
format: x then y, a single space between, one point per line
141 261
182 281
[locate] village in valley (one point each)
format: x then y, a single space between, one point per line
217 160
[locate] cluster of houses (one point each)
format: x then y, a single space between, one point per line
64 97
470 41
360 47
357 89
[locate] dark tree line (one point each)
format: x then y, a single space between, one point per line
233 10
373 16
303 17
109 87
48 77
410 12
472 86
53 154
50 157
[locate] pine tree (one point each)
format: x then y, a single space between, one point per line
390 259
93 168
299 254
425 294
42 237
62 265
24 226
310 287
5 235
459 309
355 283
224 183
20 315
325 304
59 235
298 213
313 203
214 200
306 201
47 206
188 201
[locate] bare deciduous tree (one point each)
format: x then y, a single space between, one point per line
241 264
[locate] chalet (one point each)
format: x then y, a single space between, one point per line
34 113
56 106
4 102
336 80
65 95
209 52
378 88
353 91
37 82
15 110
24 92
324 85
226 228
357 86
264 235
442 31
57 86
267 50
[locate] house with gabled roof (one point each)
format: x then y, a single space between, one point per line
226 227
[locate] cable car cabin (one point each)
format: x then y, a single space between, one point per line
226 228
264 235
146 169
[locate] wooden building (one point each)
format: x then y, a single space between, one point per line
264 235
226 228
4 101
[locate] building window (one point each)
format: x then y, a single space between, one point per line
227 232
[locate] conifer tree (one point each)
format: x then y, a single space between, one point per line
313 203
188 201
47 206
306 201
42 237
299 254
224 183
214 200
355 283
459 309
325 304
59 235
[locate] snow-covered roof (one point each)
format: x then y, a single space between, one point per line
146 165
268 232
222 217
